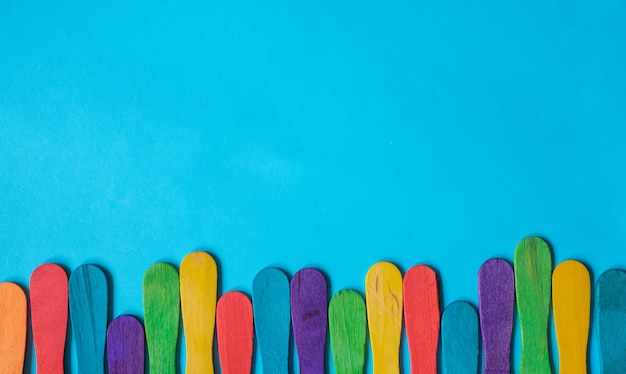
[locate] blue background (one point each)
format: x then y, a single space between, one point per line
294 134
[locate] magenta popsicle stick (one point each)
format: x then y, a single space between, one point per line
309 316
496 300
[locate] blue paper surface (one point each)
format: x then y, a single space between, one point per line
310 134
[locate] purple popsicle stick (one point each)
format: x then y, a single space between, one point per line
496 301
309 312
125 346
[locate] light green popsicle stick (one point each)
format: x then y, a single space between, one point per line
533 279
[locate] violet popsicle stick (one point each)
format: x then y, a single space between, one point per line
125 346
496 300
309 315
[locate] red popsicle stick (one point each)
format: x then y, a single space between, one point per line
421 317
48 299
234 332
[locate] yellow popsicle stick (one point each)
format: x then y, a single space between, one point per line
12 328
198 295
383 292
571 299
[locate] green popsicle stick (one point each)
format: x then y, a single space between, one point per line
161 304
533 280
348 325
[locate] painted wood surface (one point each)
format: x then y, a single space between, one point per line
88 299
198 295
533 271
235 333
383 295
496 306
610 315
422 317
571 300
309 316
126 346
49 314
161 305
12 328
272 319
347 320
459 338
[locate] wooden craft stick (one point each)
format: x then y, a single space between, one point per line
422 317
161 306
459 338
571 299
125 346
496 303
610 314
347 322
533 269
309 315
383 295
198 294
49 313
235 333
12 328
88 295
272 319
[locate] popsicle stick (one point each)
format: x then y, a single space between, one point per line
49 313
88 295
347 321
12 328
496 303
198 294
571 299
161 306
309 315
422 317
272 319
235 333
125 346
459 338
383 294
533 269
611 321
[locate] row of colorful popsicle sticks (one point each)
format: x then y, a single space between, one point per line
279 305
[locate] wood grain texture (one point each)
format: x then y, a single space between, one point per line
198 295
126 346
12 328
610 315
347 320
88 296
496 305
459 338
272 319
235 333
161 306
533 269
309 316
422 317
571 300
49 314
383 295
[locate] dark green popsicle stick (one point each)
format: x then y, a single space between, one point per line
161 304
611 321
533 281
348 325
88 293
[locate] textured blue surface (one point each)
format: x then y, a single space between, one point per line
324 134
